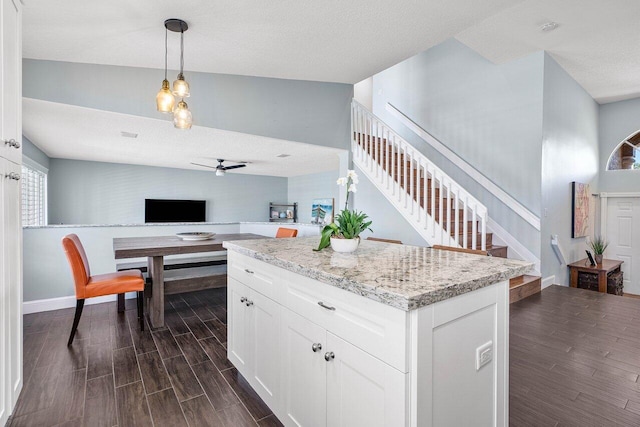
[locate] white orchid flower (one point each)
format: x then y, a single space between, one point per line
352 188
352 174
342 181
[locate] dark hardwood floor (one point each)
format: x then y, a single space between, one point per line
116 375
574 358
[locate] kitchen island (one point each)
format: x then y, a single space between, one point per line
391 335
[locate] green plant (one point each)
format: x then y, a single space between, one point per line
598 244
348 224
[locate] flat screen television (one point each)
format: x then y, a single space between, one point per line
160 210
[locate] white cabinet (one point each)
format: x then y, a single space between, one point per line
11 111
321 356
254 343
304 371
362 390
10 227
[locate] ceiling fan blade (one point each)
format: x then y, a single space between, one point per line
234 167
204 166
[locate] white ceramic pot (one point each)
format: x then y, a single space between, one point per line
344 245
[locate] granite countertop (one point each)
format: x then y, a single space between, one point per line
402 276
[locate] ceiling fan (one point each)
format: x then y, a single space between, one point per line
220 168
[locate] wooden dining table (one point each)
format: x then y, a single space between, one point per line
155 248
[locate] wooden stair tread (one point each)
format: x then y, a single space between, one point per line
524 286
522 280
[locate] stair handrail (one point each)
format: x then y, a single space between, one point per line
381 170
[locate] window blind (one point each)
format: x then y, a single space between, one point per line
34 187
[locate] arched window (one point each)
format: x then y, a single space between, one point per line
626 155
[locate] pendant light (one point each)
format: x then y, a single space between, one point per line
165 100
182 116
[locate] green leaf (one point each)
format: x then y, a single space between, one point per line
327 232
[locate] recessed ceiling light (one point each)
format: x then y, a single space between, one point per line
128 134
549 26
283 155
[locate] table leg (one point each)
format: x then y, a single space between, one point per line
156 302
602 282
574 277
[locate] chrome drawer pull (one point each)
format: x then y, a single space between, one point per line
329 356
316 347
13 176
243 299
249 303
248 271
328 307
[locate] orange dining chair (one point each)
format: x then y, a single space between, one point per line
88 286
286 232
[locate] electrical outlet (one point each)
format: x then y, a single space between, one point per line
484 354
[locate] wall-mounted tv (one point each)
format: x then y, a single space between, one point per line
160 210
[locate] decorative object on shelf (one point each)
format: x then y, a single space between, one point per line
283 212
166 99
344 234
598 245
195 235
580 196
322 211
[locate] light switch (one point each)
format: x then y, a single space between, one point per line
484 354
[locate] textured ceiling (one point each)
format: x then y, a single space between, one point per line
70 132
332 41
597 41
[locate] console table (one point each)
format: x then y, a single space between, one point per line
602 270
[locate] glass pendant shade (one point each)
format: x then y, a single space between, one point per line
165 101
181 87
182 116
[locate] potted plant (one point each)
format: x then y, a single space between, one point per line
344 233
598 245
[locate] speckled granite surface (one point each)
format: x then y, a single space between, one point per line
402 276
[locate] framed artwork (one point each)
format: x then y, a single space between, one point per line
322 211
580 196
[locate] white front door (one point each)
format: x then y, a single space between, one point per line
623 234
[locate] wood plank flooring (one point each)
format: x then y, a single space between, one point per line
116 375
574 359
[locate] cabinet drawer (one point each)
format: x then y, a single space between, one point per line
255 274
378 329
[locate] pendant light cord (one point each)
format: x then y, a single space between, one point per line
181 51
165 53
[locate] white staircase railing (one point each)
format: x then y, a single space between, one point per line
438 208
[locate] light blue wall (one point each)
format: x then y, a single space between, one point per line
618 120
34 153
488 114
569 153
107 193
295 110
303 189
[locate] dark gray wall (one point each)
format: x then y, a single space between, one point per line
490 115
107 193
618 120
304 111
569 153
34 153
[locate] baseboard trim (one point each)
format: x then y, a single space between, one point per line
41 305
547 281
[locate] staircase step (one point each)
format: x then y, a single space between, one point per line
497 251
523 286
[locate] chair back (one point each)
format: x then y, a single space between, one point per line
78 262
377 239
454 249
286 232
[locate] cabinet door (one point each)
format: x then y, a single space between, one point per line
265 348
304 372
13 278
11 111
239 326
5 301
362 390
